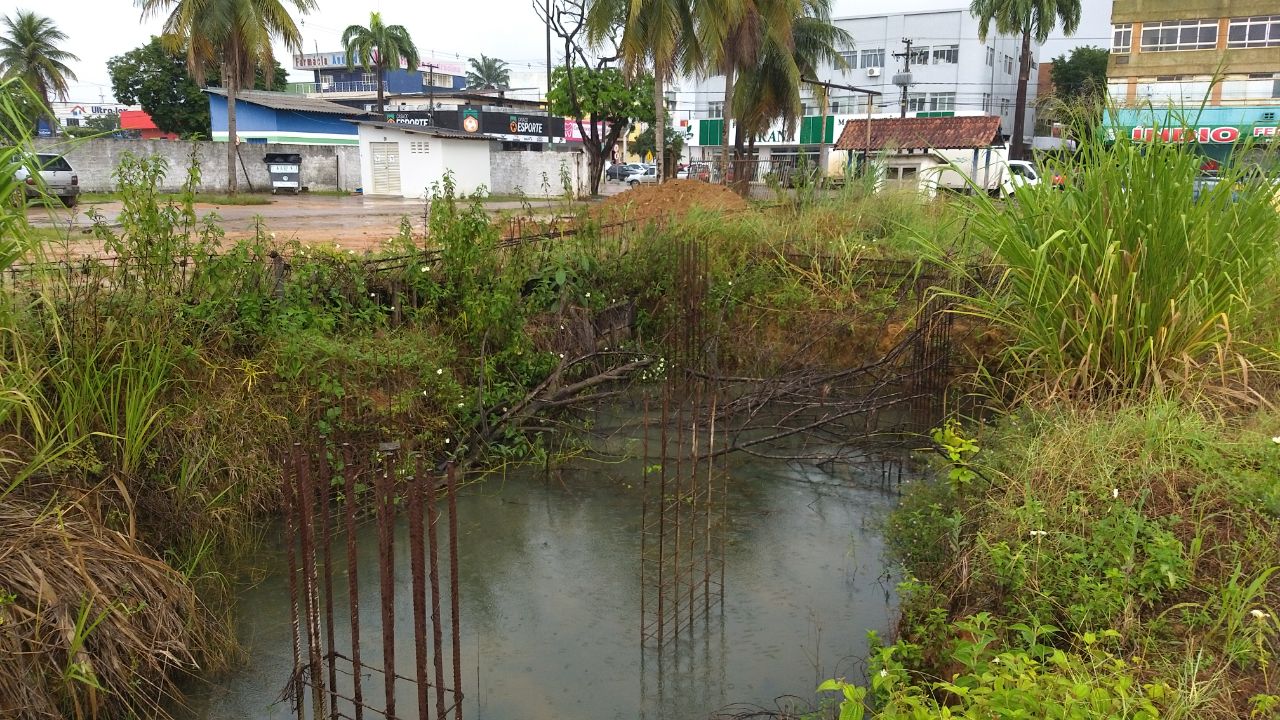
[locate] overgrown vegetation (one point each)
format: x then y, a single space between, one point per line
1109 546
146 399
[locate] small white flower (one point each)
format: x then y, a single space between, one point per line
424 393
392 308
422 269
884 673
1038 533
351 252
336 246
372 295
1115 492
730 283
1276 439
273 236
459 404
1258 614
504 409
561 356
439 371
447 441
561 327
995 660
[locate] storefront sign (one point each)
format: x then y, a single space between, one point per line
1222 135
541 126
571 133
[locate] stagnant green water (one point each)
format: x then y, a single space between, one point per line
550 600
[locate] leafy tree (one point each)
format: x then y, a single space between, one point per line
379 47
237 36
662 34
156 77
488 73
1028 19
591 95
1083 74
589 88
29 52
645 142
96 125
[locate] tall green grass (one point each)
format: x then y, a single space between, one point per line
1122 282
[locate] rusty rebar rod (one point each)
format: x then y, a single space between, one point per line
350 508
386 573
451 478
417 568
436 631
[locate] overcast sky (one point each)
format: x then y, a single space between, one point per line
509 29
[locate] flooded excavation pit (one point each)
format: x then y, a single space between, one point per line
551 603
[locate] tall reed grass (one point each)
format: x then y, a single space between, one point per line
1133 277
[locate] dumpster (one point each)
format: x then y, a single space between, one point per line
286 172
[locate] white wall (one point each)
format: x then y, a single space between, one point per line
468 159
521 171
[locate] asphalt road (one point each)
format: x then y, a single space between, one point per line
356 222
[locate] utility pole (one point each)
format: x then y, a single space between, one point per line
431 88
548 95
850 88
903 79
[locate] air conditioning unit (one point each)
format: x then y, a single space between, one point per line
873 72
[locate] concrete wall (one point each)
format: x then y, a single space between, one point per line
514 171
323 167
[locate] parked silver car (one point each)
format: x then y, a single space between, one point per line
56 179
648 175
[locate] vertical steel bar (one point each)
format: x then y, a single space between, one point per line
675 511
386 572
711 463
353 584
289 500
436 632
662 511
325 487
417 567
454 582
306 494
644 510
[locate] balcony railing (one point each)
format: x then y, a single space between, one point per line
326 88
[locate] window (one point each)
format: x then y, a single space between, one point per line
991 57
946 54
835 107
1122 38
1248 32
942 102
437 80
1275 88
326 80
919 56
986 102
1004 106
873 58
917 102
715 109
419 147
1008 64
850 58
72 122
1180 35
369 78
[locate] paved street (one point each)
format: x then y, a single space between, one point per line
354 221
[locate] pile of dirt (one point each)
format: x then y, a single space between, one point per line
673 198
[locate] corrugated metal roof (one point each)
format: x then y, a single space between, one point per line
289 101
423 130
950 133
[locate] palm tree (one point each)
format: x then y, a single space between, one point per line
660 32
236 36
770 90
379 47
1030 19
745 28
29 51
488 73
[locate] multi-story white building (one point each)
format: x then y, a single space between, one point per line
952 71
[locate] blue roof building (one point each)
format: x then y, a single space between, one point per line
274 117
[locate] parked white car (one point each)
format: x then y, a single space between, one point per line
56 179
648 175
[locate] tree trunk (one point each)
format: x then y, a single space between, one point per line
233 87
1017 150
728 116
659 126
382 100
595 163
